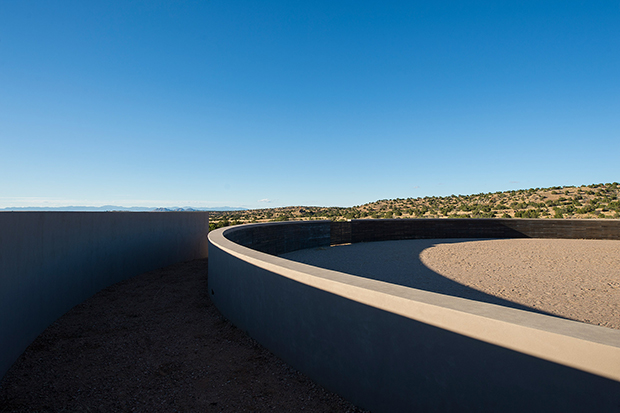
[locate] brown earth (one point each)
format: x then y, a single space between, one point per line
156 343
571 278
577 279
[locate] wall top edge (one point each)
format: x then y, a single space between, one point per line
305 274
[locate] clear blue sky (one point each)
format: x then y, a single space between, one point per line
272 103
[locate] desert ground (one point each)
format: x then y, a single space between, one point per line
156 343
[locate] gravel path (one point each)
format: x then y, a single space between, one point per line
156 343
576 279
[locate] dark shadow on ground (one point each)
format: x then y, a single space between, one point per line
156 343
397 262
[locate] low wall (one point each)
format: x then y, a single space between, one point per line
369 230
51 261
387 347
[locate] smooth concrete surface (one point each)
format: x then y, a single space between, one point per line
51 261
388 347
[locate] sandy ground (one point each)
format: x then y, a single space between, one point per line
156 343
575 279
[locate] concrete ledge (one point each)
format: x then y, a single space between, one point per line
51 261
392 348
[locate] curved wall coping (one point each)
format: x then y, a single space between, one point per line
589 348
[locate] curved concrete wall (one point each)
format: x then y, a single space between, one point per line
391 348
367 230
51 261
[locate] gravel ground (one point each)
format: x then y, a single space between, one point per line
156 343
575 279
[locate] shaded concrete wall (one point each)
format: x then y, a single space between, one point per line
51 261
281 237
369 230
390 348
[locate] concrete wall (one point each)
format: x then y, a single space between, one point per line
369 230
387 347
51 261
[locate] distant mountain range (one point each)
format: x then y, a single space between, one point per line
118 208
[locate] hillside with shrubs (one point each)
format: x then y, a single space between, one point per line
596 201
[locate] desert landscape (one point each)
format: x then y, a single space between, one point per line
216 206
559 202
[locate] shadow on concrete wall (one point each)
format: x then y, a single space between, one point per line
397 262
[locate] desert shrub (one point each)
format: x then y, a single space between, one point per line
529 213
614 206
586 209
218 224
420 211
446 210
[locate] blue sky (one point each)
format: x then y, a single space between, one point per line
260 104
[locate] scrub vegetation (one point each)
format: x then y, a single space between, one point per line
560 202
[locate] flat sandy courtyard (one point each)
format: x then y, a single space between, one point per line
575 279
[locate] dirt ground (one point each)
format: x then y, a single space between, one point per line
577 279
572 278
156 343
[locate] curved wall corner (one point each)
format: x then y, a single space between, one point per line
51 261
389 348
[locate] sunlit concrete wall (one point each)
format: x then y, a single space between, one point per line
51 261
389 348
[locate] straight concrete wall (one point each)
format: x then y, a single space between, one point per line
390 348
51 261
